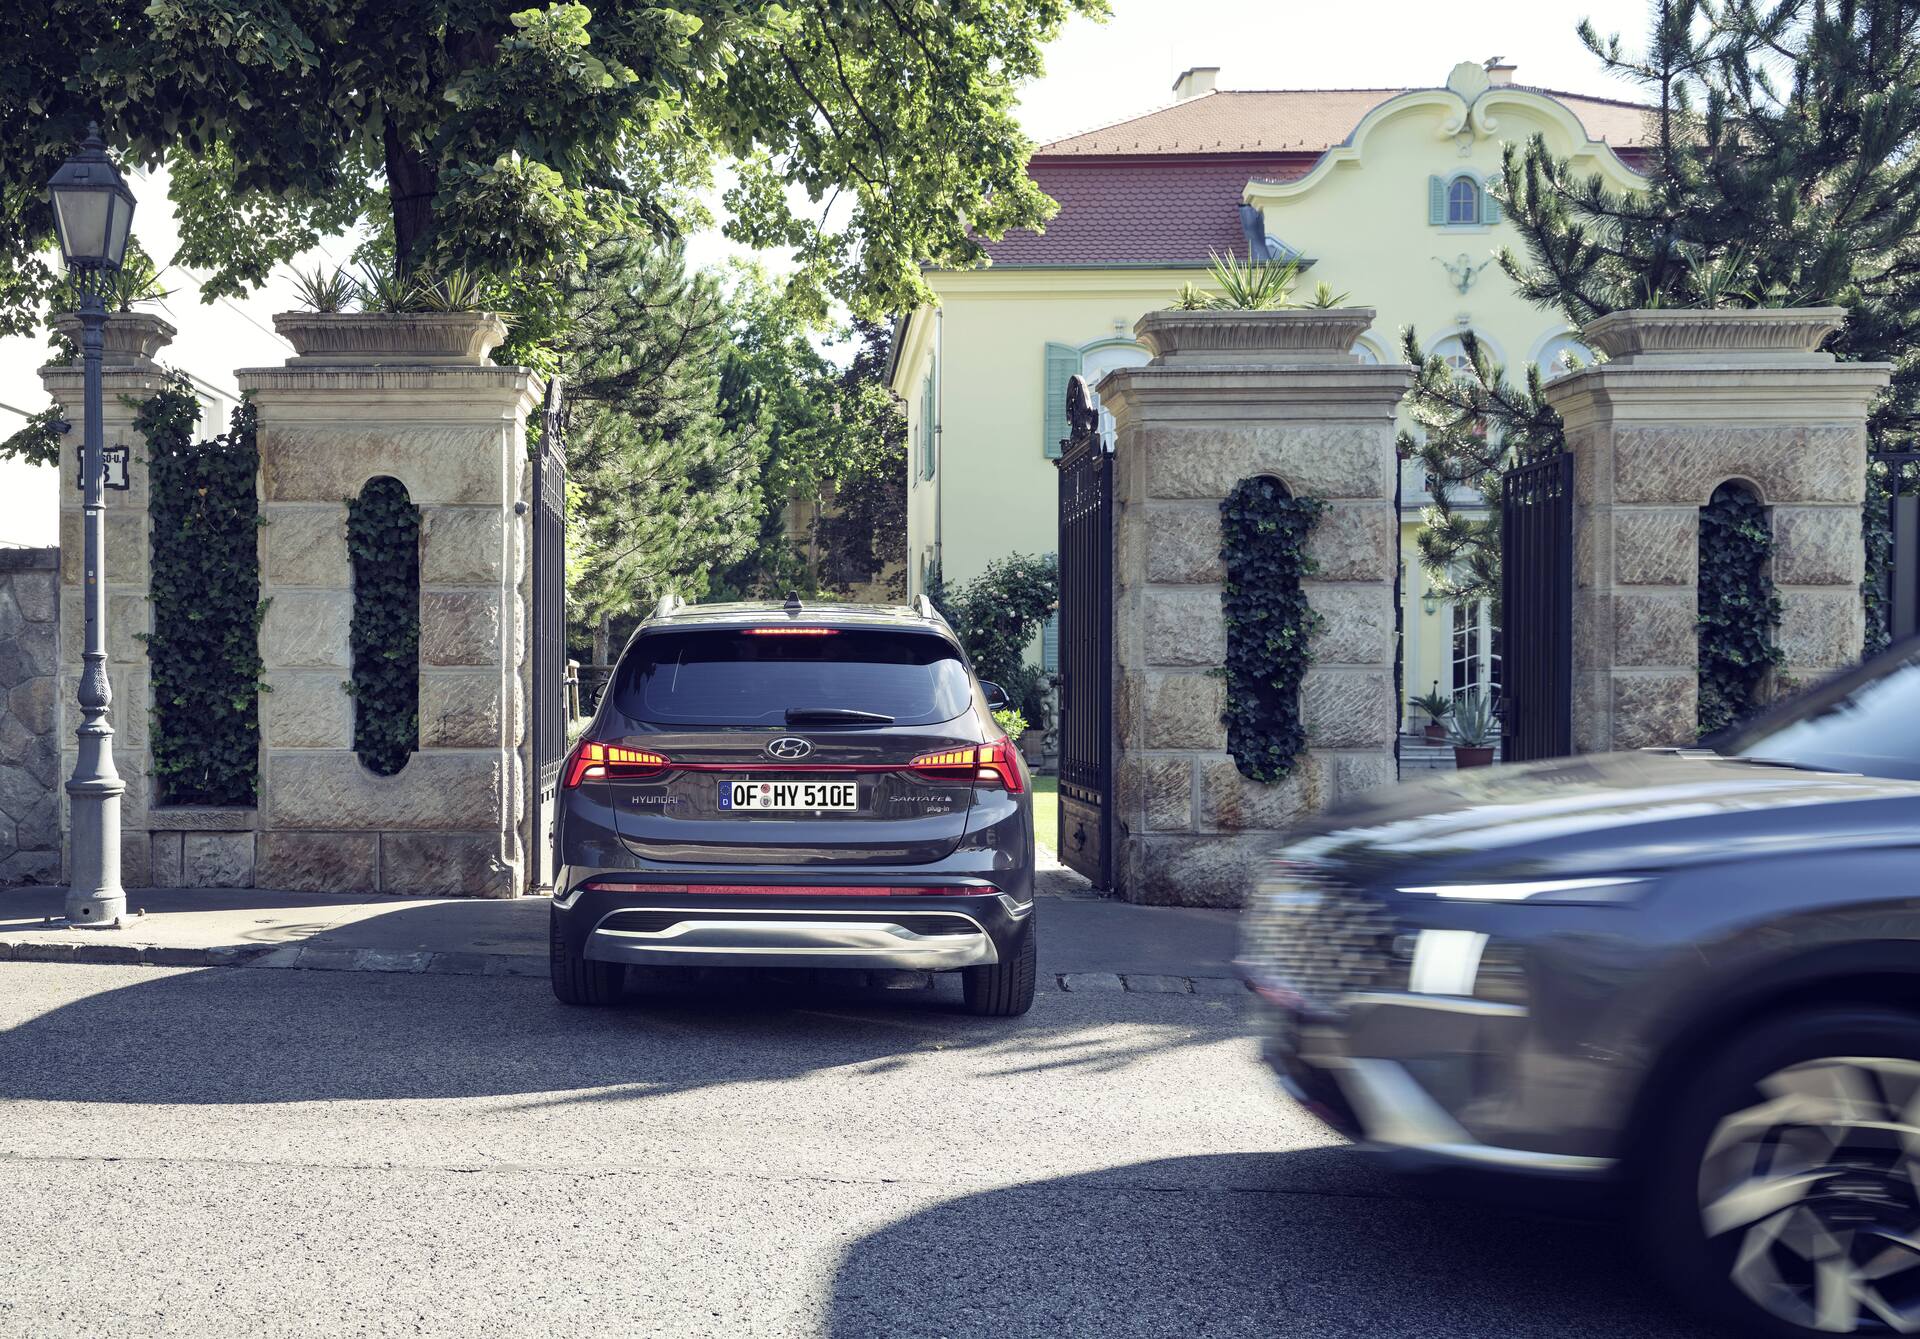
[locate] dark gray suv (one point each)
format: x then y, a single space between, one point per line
769 785
1694 978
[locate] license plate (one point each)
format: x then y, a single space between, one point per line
793 796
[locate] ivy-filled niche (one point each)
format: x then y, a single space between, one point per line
383 541
1739 610
204 650
1263 538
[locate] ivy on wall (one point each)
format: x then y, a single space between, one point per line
383 540
1738 608
1263 536
204 650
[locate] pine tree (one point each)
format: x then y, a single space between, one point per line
1784 172
659 492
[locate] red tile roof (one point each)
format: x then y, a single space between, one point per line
1303 120
1165 187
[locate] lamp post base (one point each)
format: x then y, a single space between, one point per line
120 922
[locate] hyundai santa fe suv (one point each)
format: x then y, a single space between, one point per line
1690 976
769 785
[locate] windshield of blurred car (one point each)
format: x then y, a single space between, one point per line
1866 722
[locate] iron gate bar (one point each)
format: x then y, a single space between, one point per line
1086 636
1900 582
549 631
1536 608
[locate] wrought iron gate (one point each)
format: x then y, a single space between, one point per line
549 631
1086 640
1536 608
1896 474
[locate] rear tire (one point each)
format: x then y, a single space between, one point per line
577 979
1005 989
1787 1153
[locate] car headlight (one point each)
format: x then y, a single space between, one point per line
1613 888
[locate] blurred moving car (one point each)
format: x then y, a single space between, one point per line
1691 975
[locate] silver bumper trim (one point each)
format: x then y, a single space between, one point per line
788 940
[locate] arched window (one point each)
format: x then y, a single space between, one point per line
1560 355
1453 352
1463 201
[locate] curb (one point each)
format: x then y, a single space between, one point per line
329 958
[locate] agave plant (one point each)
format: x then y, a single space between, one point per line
458 290
1472 720
319 291
1256 285
384 290
137 280
1192 298
1324 298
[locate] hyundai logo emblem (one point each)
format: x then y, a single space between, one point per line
788 747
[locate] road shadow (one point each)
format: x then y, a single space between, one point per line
1318 1243
255 1035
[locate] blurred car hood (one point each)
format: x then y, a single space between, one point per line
1608 813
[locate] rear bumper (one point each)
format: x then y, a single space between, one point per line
765 928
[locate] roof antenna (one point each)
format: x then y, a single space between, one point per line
793 602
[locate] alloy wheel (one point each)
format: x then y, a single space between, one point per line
1817 1188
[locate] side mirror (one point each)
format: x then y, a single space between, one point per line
997 699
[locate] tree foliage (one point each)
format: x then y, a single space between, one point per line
997 615
507 139
1784 171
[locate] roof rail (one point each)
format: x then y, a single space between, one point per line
670 604
924 607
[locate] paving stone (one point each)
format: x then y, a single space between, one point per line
280 957
314 958
1219 985
1079 983
164 955
1156 985
114 955
235 955
31 950
390 960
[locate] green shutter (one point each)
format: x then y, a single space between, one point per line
929 436
1489 207
1063 363
1437 201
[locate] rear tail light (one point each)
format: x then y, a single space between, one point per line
993 762
594 761
793 889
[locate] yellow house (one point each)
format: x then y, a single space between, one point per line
1381 193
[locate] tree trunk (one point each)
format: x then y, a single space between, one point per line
411 183
602 639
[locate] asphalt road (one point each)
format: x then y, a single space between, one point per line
242 1152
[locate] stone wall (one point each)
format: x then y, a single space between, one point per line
29 709
1689 401
1229 396
452 821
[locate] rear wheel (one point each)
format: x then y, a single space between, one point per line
1786 1197
1005 989
578 979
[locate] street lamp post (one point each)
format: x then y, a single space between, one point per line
92 211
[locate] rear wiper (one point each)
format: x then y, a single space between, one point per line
797 714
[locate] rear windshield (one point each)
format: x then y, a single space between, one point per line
736 677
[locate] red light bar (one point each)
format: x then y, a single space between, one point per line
790 632
790 889
993 762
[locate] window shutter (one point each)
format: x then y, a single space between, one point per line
1050 643
1489 207
1063 362
927 434
1437 201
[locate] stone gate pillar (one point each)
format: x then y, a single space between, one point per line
129 375
413 398
1228 396
1688 401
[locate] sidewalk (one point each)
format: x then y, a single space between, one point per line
1086 943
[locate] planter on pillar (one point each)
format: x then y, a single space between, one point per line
1690 400
413 398
1230 395
128 374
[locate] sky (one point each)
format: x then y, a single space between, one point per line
1097 73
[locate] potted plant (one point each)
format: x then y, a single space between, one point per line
1253 317
1472 730
1438 706
404 319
